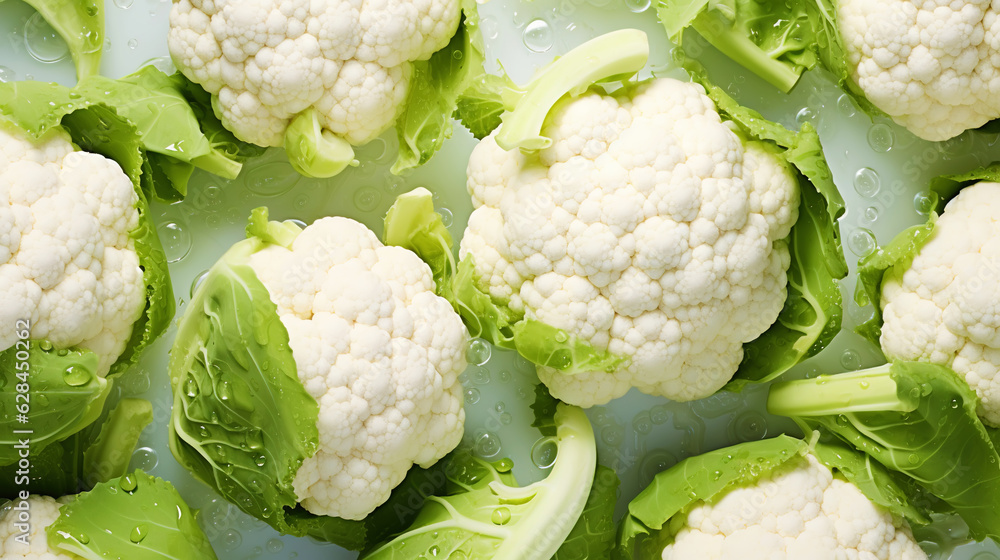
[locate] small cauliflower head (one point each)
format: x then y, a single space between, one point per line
945 306
800 510
380 353
67 262
930 65
267 61
43 512
648 228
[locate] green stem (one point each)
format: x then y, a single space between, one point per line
870 390
560 498
314 151
110 455
216 163
718 31
614 56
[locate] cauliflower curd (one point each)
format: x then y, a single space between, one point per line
267 61
44 512
67 261
798 511
649 228
942 308
930 65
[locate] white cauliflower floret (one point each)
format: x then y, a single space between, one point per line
930 65
269 60
798 511
380 353
43 512
945 307
648 228
67 262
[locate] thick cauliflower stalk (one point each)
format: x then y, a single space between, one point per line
44 512
648 228
380 353
930 65
269 60
799 511
944 307
67 262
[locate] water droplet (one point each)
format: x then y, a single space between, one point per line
871 214
367 199
477 352
124 4
6 74
144 458
807 115
862 242
45 345
506 418
175 239
537 36
561 336
657 461
500 407
83 538
274 179
260 460
749 426
613 435
76 376
924 202
846 105
488 445
133 43
850 360
274 545
659 414
197 281
42 42
503 376
209 199
638 6
480 375
642 423
488 25
231 540
127 483
472 396
867 182
447 218
501 516
138 533
881 137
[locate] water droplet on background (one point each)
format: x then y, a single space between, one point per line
537 36
489 27
488 445
274 545
924 203
850 360
638 6
807 114
6 74
477 352
862 242
124 4
231 540
472 396
133 43
871 214
42 42
144 458
749 426
273 179
867 182
176 241
846 105
881 137
367 199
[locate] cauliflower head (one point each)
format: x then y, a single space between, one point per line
649 228
799 510
44 511
930 65
380 353
67 260
267 61
943 308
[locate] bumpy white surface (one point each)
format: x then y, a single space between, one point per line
44 511
945 308
647 228
799 511
931 65
380 353
269 60
67 262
